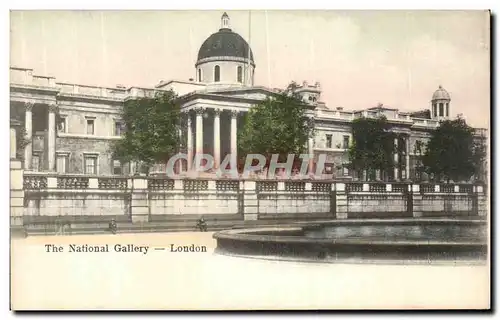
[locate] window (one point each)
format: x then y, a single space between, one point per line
35 162
216 74
240 74
118 128
62 126
90 164
62 163
345 170
90 126
447 109
199 75
441 111
328 140
117 167
434 110
346 142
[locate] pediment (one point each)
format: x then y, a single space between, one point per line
253 94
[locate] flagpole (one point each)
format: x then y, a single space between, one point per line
249 79
268 56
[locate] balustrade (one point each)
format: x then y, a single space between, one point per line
227 185
321 186
72 182
354 187
112 183
34 182
447 188
377 187
295 186
427 188
267 185
160 184
195 185
466 188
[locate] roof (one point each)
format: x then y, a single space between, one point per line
225 43
441 94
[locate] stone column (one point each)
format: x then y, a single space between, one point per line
178 164
51 153
199 130
396 171
234 146
408 158
217 138
13 143
28 150
310 147
189 142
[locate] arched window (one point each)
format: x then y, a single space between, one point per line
434 110
240 74
441 110
216 74
447 109
199 75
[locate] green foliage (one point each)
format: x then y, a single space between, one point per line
151 130
453 152
373 145
21 142
277 125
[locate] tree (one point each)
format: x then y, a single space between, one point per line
151 130
373 145
277 125
453 152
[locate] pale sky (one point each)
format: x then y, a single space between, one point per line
361 58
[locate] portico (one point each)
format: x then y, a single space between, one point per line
214 131
39 121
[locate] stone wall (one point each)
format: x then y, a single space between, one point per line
143 199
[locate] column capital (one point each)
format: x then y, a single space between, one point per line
217 112
234 114
28 105
199 111
53 107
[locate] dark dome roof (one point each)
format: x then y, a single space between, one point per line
441 94
225 43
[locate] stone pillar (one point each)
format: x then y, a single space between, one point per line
310 147
250 201
234 146
178 164
396 171
341 206
139 205
16 198
189 142
417 203
28 150
217 138
13 143
199 130
408 158
377 174
51 153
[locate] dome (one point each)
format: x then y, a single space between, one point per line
225 43
441 94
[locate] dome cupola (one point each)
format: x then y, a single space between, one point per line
225 57
440 104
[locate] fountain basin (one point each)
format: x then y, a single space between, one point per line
329 241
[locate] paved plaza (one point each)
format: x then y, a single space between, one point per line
204 280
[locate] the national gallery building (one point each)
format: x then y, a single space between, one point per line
70 127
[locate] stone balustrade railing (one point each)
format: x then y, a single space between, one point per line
39 182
